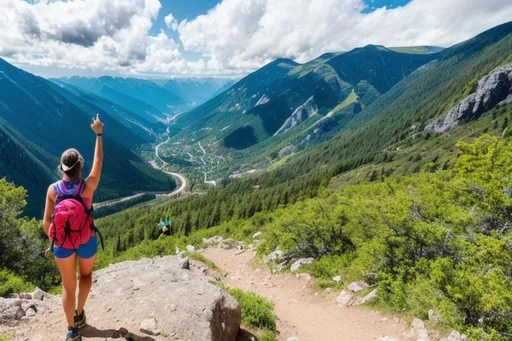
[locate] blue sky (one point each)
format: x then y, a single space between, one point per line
54 38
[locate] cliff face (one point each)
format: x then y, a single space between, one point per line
492 90
302 113
165 298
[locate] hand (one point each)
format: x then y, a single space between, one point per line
97 125
47 252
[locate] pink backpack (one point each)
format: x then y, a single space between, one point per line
72 222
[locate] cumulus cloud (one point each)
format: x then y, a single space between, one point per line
233 38
94 35
171 22
243 34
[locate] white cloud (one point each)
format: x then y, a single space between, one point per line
94 36
235 37
171 22
243 34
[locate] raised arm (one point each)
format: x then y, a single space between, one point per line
94 178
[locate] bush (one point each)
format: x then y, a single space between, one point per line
257 311
10 283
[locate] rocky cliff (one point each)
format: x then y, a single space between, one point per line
302 113
165 298
493 90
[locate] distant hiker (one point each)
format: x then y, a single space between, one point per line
163 228
68 222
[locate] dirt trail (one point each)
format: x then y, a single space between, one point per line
302 312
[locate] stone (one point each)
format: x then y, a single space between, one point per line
257 235
368 298
229 244
30 312
293 338
190 248
492 90
336 279
185 264
455 336
345 297
213 241
298 263
304 276
40 295
417 331
275 255
387 338
435 316
148 326
25 296
357 286
279 267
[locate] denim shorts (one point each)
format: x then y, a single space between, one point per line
86 251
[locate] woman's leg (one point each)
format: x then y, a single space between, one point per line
85 282
67 269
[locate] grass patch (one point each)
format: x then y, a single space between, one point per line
257 311
268 336
200 258
349 100
4 338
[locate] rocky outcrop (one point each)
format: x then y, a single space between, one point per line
300 262
263 100
19 308
150 299
357 286
492 90
220 242
455 336
417 331
302 113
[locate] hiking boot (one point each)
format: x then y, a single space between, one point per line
80 319
73 334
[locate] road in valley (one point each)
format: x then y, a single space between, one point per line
183 182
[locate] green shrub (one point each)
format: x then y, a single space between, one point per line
200 258
268 336
257 311
10 283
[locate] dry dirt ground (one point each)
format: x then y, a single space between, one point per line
303 312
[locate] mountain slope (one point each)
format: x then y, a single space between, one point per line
145 126
197 90
261 113
41 121
141 96
392 126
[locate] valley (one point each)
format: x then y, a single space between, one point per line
388 166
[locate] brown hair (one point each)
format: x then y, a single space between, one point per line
73 162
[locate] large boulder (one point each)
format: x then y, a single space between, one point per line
492 90
178 301
150 299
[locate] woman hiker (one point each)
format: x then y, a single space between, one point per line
68 222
